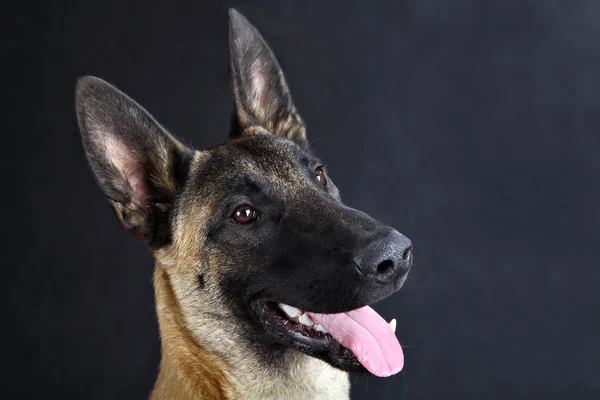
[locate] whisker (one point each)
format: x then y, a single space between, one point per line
317 139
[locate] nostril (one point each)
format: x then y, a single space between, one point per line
408 256
385 267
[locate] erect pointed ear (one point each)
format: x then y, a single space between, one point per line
139 166
262 98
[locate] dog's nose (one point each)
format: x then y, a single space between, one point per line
387 258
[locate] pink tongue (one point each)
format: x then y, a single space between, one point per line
368 336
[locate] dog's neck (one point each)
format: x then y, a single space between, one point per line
192 368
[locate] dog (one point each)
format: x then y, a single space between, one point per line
262 275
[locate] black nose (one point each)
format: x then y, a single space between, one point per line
387 258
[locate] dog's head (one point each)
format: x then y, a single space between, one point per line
253 231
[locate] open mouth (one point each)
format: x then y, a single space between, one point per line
355 340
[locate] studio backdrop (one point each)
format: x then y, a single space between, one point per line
472 127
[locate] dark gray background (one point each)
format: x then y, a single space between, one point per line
472 126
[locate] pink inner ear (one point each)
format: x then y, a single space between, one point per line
130 168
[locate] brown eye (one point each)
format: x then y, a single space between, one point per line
244 215
321 176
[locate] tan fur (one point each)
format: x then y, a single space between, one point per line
187 370
292 127
254 130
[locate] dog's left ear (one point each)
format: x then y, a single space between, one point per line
263 100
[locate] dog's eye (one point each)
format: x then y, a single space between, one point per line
321 176
244 215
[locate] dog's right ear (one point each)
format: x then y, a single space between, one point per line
139 166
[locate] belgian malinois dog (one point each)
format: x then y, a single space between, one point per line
263 277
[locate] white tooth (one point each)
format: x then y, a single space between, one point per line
393 325
319 327
305 320
292 312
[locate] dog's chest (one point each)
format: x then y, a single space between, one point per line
309 379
